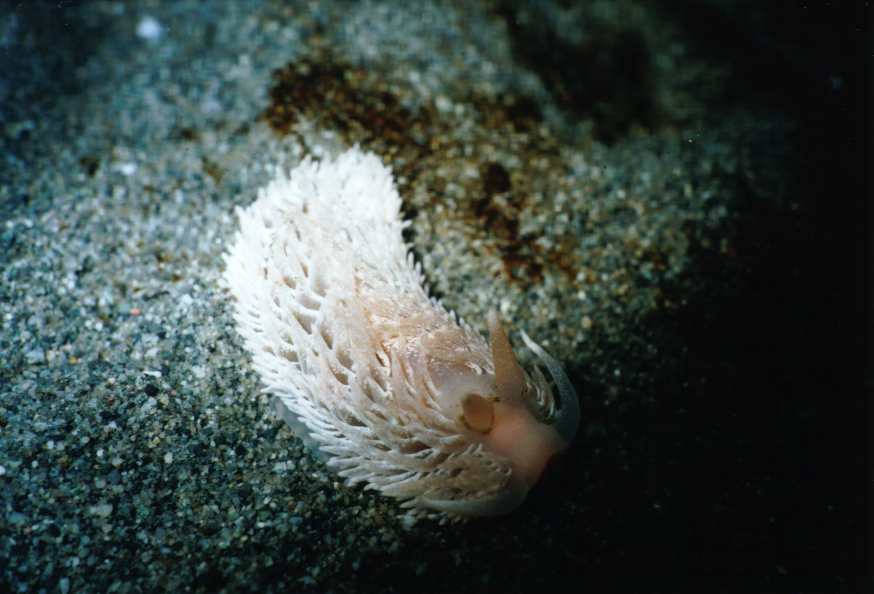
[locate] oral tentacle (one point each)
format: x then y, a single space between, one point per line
567 420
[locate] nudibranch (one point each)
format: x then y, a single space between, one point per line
380 379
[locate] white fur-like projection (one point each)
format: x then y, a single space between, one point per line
378 377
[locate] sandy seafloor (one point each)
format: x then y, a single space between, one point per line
665 195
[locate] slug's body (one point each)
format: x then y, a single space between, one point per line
377 376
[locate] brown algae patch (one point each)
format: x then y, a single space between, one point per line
591 235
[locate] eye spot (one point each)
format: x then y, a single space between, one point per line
478 413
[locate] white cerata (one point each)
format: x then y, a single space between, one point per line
383 382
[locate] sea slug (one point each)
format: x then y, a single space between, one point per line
381 380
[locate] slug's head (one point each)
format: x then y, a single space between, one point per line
514 415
